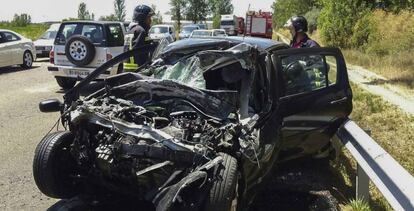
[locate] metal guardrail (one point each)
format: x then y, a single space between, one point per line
375 164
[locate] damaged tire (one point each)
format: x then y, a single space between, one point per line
224 190
53 165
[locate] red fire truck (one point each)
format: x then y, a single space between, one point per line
259 24
240 21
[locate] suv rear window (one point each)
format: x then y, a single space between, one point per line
92 31
115 36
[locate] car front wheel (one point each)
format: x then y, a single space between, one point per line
66 83
27 60
223 193
53 165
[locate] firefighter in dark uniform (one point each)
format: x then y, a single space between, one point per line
298 26
307 73
137 36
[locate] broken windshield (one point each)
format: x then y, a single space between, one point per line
191 71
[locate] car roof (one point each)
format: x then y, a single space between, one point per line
162 25
92 22
202 30
192 25
262 43
6 30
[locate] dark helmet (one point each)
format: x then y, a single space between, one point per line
299 23
141 12
293 70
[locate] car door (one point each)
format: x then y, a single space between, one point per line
4 56
314 98
13 48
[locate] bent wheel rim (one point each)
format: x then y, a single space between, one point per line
77 50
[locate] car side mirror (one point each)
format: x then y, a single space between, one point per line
51 105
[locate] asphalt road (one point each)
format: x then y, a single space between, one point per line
22 126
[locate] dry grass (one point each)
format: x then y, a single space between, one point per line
391 128
397 68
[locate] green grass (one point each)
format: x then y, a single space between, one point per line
32 31
357 205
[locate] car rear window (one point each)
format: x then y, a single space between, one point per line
115 35
201 33
159 30
94 32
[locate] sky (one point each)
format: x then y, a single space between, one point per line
56 10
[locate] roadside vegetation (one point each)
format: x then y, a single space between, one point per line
32 31
391 127
377 35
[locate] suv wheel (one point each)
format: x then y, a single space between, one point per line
66 83
79 50
53 165
27 60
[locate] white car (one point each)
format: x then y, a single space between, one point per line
16 50
44 44
82 46
201 33
159 32
219 33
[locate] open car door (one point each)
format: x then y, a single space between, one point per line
314 96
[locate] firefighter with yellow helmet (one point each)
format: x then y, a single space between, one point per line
137 36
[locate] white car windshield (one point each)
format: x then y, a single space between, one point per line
189 29
158 30
202 33
48 35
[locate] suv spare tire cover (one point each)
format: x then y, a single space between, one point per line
80 50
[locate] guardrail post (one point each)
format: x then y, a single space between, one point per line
362 180
362 184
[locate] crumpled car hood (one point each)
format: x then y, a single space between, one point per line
216 104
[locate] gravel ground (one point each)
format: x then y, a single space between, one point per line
22 126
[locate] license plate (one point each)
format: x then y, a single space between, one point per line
80 73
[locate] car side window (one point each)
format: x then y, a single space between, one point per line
64 34
1 38
94 33
307 73
10 37
115 36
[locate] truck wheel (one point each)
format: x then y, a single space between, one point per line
80 50
27 60
223 193
53 165
66 83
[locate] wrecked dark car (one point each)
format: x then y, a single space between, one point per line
198 128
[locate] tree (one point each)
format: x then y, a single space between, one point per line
83 13
216 22
337 20
218 8
284 9
221 7
120 10
177 9
110 17
197 10
157 18
21 20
